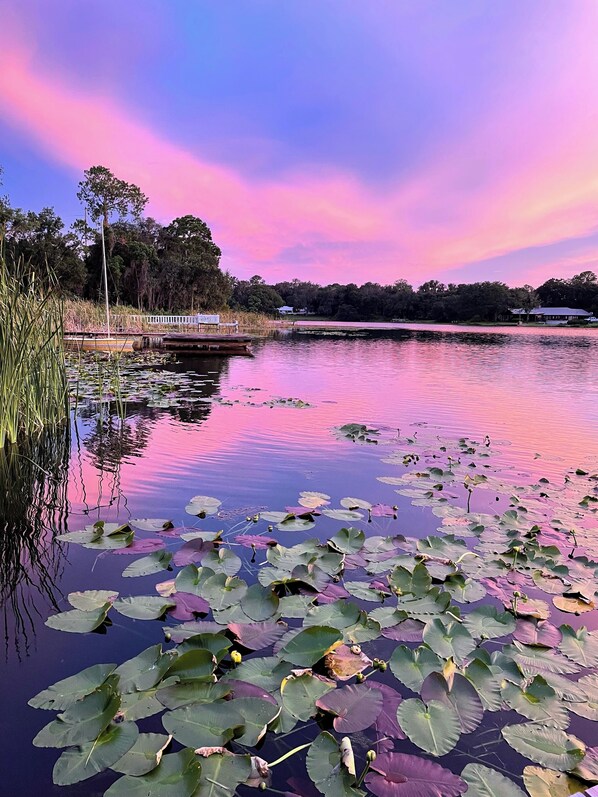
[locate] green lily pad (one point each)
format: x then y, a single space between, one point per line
448 641
63 693
176 776
310 645
300 693
485 782
325 768
92 599
144 670
434 727
221 773
143 607
147 565
580 646
550 747
411 667
77 621
80 763
347 540
82 721
202 505
488 622
143 756
257 714
204 725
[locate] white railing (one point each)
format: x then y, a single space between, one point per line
127 322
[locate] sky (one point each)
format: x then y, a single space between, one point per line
328 140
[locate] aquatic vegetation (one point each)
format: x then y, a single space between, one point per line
384 651
96 379
32 374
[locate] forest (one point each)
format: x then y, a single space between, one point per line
176 267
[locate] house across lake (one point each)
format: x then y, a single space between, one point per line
551 315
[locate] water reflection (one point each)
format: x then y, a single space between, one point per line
33 509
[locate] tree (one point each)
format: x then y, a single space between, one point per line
255 296
103 195
189 272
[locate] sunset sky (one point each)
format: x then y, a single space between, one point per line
330 140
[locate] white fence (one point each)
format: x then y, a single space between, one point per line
132 322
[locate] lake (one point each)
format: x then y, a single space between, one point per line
533 392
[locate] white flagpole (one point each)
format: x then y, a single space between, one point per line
105 272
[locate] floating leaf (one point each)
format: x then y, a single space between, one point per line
77 621
144 755
354 707
82 721
80 763
460 695
348 540
260 603
326 770
63 693
540 660
184 694
434 727
310 645
573 605
151 524
550 747
342 514
194 665
346 661
92 599
144 607
202 505
300 693
176 776
138 705
313 500
401 775
448 641
208 725
485 782
537 701
143 671
580 646
355 503
548 783
488 622
256 714
255 636
221 773
146 545
411 667
540 633
147 565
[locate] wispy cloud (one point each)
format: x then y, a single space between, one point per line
524 175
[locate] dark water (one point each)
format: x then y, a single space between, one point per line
534 392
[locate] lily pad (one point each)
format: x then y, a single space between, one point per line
202 505
401 775
550 747
144 607
354 707
548 783
310 645
147 565
206 725
77 621
325 768
63 693
434 727
485 782
177 775
143 756
300 693
80 763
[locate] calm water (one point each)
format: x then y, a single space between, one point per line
533 391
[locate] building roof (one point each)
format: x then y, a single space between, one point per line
552 311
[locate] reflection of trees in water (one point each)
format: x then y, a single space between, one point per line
109 438
33 508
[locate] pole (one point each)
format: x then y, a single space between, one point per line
105 274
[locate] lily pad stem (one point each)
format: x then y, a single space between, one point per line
289 754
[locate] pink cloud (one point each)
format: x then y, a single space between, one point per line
525 175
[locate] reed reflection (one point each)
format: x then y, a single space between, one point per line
33 510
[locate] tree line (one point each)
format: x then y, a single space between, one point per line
477 301
150 265
176 267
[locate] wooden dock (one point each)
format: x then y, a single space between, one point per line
176 342
188 343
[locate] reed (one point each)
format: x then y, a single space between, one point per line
33 385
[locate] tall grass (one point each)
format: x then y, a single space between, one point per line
81 315
33 386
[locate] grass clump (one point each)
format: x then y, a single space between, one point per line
33 386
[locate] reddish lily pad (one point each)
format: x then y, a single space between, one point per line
355 707
401 775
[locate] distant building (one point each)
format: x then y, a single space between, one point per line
286 310
551 315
